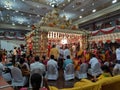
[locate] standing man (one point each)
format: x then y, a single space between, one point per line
54 51
14 55
66 52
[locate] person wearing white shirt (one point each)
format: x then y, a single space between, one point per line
52 61
118 55
66 52
93 61
1 68
37 65
116 69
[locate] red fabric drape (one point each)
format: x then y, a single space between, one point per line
93 33
108 30
117 40
118 27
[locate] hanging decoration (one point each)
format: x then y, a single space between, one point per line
93 33
104 31
118 27
12 35
107 30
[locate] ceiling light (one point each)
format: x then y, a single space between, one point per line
13 24
68 0
82 10
114 1
28 26
38 15
54 3
63 4
94 10
16 11
8 5
73 6
80 16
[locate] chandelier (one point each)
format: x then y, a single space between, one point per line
8 5
54 3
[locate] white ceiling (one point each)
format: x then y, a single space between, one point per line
28 12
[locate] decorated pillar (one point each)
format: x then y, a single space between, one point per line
43 43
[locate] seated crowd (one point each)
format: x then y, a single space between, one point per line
32 72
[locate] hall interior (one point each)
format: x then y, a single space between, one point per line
36 25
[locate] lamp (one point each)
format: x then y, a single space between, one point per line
8 5
55 3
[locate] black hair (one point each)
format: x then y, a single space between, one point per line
52 56
105 68
68 56
44 57
93 55
22 60
36 80
37 58
53 45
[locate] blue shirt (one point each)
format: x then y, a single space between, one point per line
66 62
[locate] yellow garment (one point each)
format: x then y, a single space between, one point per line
76 65
87 57
110 83
55 52
53 88
92 86
80 52
104 75
82 82
103 57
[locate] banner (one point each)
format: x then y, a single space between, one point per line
93 33
108 30
118 26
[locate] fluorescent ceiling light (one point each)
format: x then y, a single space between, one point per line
80 16
94 10
114 1
13 24
68 0
82 9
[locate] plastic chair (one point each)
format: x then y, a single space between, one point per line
17 78
69 72
82 73
52 72
96 70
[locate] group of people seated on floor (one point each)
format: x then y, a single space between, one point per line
33 72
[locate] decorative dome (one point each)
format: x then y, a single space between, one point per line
52 19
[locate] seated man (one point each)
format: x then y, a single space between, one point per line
116 69
67 61
95 68
37 65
